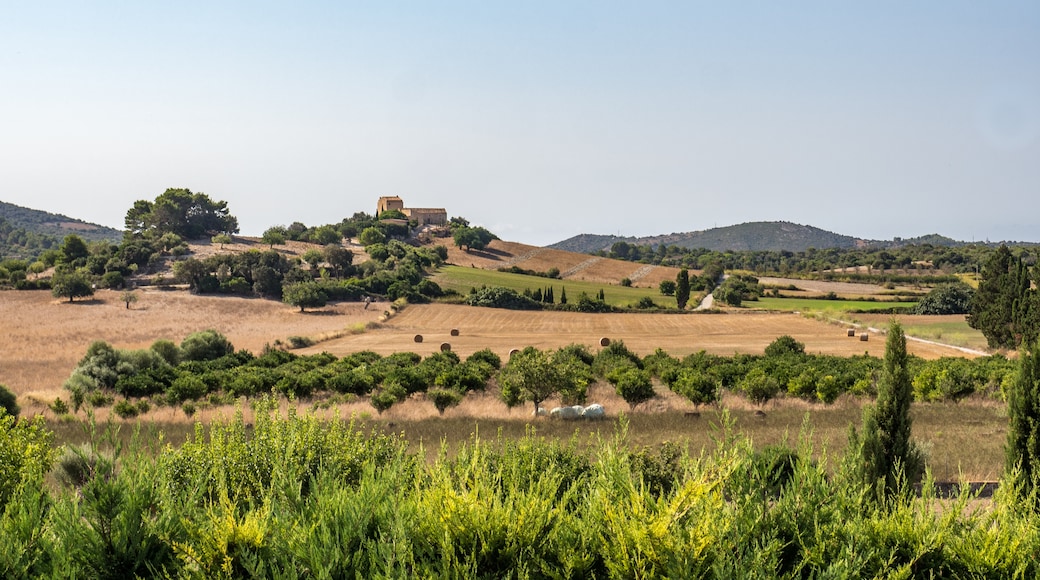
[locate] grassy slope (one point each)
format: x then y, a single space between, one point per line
809 304
461 279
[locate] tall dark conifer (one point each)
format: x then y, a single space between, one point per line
886 455
682 289
1003 306
1022 452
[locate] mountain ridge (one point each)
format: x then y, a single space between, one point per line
753 236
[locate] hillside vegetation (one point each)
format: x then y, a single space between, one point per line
25 233
754 236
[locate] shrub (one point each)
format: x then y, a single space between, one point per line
785 345
952 298
443 398
633 385
8 401
487 356
498 297
26 454
206 345
125 409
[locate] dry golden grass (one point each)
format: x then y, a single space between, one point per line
678 334
572 266
820 287
44 338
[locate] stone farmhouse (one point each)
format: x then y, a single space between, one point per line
422 216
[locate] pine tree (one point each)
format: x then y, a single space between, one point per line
887 456
682 289
1022 452
1003 306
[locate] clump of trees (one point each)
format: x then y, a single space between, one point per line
1006 307
182 213
952 298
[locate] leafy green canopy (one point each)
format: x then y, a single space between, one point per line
181 212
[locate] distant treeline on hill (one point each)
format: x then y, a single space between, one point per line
869 265
759 236
26 233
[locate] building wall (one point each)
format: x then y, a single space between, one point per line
427 216
387 203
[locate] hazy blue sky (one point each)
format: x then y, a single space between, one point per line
537 120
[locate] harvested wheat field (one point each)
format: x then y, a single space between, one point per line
572 266
43 338
678 334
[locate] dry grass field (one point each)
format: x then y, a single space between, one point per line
812 288
678 334
43 338
572 266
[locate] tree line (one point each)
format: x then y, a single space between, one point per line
205 367
829 263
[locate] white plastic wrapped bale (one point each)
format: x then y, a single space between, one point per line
542 412
555 412
594 411
571 413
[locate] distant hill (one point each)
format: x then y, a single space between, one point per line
24 232
753 236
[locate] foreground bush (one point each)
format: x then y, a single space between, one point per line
292 496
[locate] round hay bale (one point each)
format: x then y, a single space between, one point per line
852 332
604 341
864 337
418 338
514 351
445 347
454 332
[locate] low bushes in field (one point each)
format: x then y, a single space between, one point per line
294 496
206 366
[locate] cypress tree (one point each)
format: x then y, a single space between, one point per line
1022 451
563 295
887 456
682 289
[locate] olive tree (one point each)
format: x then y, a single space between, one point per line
71 285
533 375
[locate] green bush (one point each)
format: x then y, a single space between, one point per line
8 402
26 454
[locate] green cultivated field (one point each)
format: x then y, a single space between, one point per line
461 279
809 304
